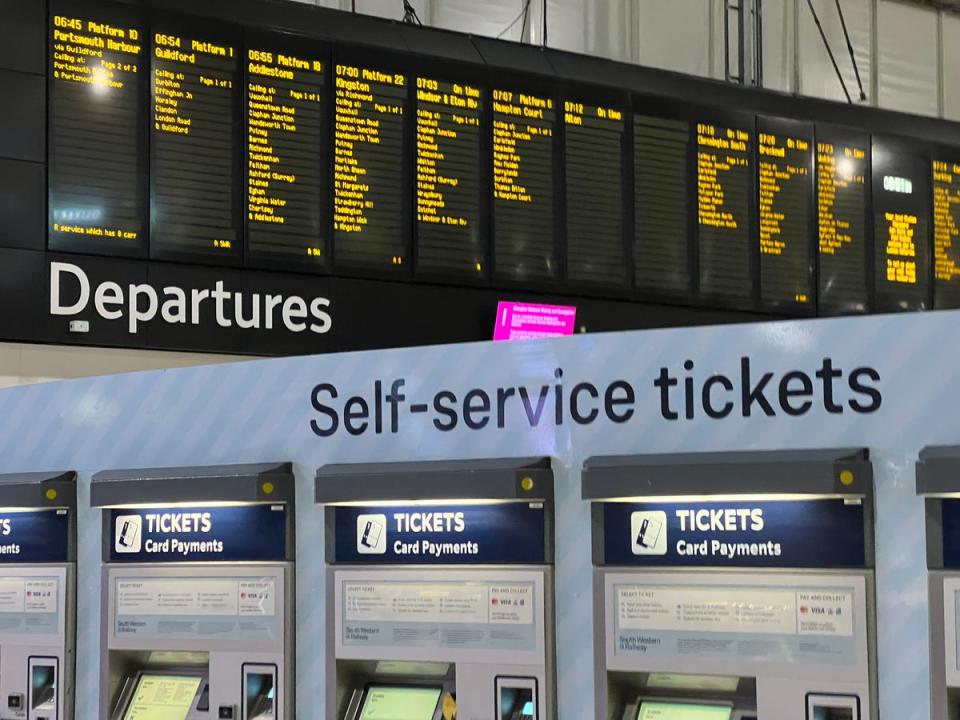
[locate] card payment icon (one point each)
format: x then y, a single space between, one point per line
128 534
648 532
372 534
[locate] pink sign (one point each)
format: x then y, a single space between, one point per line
523 321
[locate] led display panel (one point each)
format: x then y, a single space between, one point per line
368 168
946 233
523 186
901 227
842 249
593 140
449 236
194 151
96 131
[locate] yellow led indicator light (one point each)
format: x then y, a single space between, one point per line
846 477
267 488
527 484
51 494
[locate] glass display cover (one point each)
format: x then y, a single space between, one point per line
682 711
400 703
163 697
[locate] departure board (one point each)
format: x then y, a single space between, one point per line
785 213
724 186
662 210
946 233
194 149
96 133
523 151
449 236
594 138
901 228
841 220
285 144
368 168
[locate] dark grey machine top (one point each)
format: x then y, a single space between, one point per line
263 482
489 479
836 471
39 490
938 470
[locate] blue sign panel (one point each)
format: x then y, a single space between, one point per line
200 534
783 533
951 533
441 534
35 536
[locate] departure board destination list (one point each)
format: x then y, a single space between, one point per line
723 193
368 167
786 219
193 147
95 136
523 128
946 233
284 146
448 178
841 208
594 162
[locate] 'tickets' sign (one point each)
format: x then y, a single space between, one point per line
200 534
441 534
782 533
35 536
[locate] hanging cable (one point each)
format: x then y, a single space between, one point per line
853 57
410 16
826 44
518 18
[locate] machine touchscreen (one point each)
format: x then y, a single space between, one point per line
682 711
163 697
400 703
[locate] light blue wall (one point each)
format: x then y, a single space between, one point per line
260 411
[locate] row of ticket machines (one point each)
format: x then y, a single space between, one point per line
731 586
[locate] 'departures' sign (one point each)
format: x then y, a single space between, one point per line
783 533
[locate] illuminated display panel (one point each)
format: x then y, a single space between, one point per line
368 168
593 140
901 227
662 210
724 190
194 181
383 702
785 214
523 186
162 697
842 221
285 145
946 233
96 131
449 237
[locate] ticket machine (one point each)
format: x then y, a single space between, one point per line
439 590
198 592
38 576
733 586
938 481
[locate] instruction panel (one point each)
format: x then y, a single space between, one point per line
29 605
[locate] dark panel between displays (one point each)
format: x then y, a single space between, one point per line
946 230
662 200
96 174
286 144
843 254
594 141
901 227
785 211
725 210
524 245
368 168
195 181
450 235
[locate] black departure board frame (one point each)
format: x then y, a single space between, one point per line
220 245
594 96
840 292
804 276
302 49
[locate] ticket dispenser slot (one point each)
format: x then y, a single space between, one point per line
38 572
198 588
733 586
439 590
